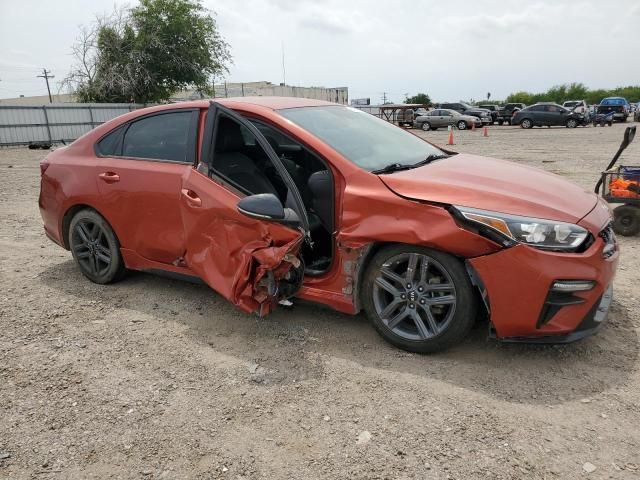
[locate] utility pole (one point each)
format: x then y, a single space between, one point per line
284 77
46 76
384 97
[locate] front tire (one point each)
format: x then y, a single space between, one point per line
462 125
572 123
626 220
95 247
418 299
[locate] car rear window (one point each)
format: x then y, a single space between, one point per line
613 101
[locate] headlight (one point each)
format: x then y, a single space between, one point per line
539 233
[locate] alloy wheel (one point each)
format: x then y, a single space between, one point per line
91 247
462 125
426 126
414 296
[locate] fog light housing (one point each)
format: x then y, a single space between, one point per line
572 285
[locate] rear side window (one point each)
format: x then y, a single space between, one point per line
163 137
110 145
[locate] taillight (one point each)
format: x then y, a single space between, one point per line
43 166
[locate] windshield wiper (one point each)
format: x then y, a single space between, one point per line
392 167
431 158
396 167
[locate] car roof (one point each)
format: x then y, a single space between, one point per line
272 103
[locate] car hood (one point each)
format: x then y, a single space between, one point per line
491 184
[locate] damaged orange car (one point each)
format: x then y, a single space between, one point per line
267 198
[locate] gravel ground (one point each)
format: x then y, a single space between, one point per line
155 378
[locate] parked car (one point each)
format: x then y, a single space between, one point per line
618 105
466 109
493 110
442 118
547 114
268 198
505 114
578 106
636 114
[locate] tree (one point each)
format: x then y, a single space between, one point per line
148 53
419 98
575 91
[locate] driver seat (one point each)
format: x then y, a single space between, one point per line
231 162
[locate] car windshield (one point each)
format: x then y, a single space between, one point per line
362 138
571 104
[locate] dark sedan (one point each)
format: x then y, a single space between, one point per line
547 114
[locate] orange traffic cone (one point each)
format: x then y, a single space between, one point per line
485 133
450 142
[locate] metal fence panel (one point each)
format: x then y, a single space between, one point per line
26 124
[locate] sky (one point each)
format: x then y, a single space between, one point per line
451 50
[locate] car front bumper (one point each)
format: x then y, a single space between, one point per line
517 287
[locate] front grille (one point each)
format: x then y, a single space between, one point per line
609 241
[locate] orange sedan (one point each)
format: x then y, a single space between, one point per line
267 198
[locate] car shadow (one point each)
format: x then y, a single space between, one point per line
292 344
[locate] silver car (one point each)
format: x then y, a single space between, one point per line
443 118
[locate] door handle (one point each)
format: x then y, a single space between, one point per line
191 197
109 177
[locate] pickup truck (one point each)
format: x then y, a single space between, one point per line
507 111
618 105
493 110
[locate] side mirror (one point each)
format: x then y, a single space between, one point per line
629 134
266 206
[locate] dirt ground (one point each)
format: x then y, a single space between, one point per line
156 378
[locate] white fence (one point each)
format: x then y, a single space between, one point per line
28 124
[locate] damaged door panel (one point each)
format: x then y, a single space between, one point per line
254 263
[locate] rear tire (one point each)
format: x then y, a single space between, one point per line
626 220
418 299
426 126
95 247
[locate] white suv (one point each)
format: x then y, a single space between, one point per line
579 106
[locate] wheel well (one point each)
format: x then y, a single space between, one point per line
68 216
373 248
363 262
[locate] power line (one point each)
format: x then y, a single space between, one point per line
46 76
